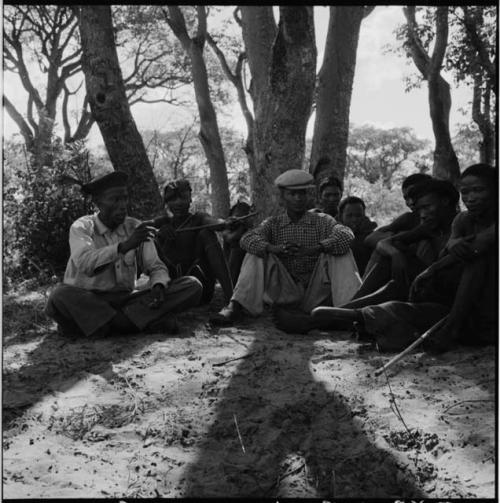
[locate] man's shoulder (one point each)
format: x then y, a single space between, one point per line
86 222
317 216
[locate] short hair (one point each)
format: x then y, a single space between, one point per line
350 200
481 170
242 206
330 181
175 189
413 179
442 188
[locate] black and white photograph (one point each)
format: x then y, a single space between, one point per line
249 251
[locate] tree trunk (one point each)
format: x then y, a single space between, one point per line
209 134
333 101
109 106
481 114
445 160
283 65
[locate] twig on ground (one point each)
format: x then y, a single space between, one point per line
239 434
236 340
467 401
232 360
396 410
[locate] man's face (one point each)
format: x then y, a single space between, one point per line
408 200
179 205
295 200
476 195
431 209
112 204
330 198
352 215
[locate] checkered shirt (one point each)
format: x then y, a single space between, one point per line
311 230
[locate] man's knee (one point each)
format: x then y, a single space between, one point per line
59 297
190 286
208 238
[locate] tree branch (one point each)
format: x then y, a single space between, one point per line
201 32
476 41
21 123
417 51
177 24
441 41
222 59
67 127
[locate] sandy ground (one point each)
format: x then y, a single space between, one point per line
299 416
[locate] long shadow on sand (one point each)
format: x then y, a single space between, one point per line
300 440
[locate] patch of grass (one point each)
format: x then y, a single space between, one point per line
23 314
80 421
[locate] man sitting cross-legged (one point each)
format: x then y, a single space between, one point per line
298 259
462 285
96 297
187 249
408 253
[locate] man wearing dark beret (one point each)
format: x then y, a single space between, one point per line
97 295
196 252
298 259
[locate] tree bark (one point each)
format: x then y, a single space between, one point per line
445 160
482 117
282 63
236 78
109 106
333 101
209 130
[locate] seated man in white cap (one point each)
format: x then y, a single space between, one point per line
298 259
96 297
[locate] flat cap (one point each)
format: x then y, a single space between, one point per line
294 179
102 183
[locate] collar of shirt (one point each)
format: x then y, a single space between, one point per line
306 219
102 229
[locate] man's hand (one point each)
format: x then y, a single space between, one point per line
419 283
157 296
142 232
293 249
464 249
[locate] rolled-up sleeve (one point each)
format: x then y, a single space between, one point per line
256 240
153 266
336 238
86 257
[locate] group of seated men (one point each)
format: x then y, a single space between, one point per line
326 268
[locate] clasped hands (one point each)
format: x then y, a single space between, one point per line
293 249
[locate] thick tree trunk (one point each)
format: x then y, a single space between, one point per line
109 106
283 65
333 100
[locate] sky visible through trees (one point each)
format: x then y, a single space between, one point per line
378 95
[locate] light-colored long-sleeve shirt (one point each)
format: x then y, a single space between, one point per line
312 229
95 263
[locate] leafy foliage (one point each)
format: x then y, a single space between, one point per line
385 154
38 210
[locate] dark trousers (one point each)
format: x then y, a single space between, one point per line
85 312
